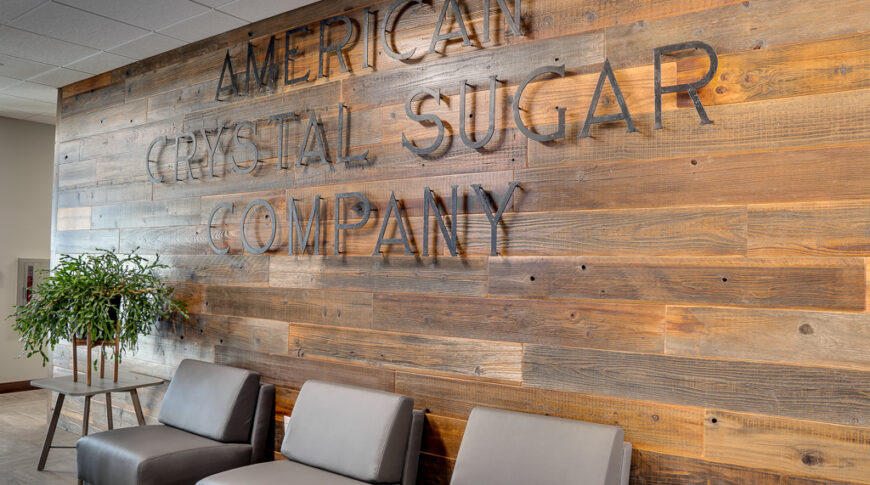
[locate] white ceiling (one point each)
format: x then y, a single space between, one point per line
46 44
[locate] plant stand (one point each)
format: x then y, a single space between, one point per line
90 344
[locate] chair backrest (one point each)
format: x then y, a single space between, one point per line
511 448
356 432
211 400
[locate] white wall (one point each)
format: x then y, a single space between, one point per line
26 177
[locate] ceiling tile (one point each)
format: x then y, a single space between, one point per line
150 45
10 9
21 43
26 105
100 63
213 3
59 77
253 10
202 26
76 26
151 14
5 82
29 90
18 68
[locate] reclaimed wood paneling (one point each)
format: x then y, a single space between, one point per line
655 280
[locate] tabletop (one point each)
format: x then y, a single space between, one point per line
126 382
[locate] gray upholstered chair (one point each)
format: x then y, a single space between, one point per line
213 417
510 448
341 435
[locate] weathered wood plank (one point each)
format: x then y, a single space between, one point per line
152 214
108 193
773 283
287 371
339 308
575 324
390 350
405 274
800 447
798 122
76 174
824 66
215 269
648 425
814 229
831 395
105 120
812 338
73 218
238 332
700 180
85 241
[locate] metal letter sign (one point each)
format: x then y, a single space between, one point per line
281 119
245 144
691 88
222 205
435 93
484 200
232 88
212 148
318 140
185 159
161 140
385 42
289 57
365 209
437 36
393 208
607 73
264 248
337 48
560 131
513 21
341 157
489 132
269 66
449 237
314 220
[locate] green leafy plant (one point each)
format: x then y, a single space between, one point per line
85 294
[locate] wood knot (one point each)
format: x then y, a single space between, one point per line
806 329
812 458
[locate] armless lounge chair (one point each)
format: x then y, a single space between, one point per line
510 448
213 418
341 435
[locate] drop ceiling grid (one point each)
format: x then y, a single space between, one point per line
47 44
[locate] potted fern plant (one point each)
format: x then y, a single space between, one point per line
97 299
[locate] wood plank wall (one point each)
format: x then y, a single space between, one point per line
704 287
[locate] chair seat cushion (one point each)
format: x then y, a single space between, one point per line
278 472
154 455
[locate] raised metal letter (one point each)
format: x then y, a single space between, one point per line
269 66
245 144
365 209
437 36
484 199
186 159
385 43
337 48
222 205
393 208
435 93
691 88
485 139
154 142
232 88
313 220
367 14
449 237
288 53
341 158
560 132
607 72
272 220
280 119
514 21
318 140
212 148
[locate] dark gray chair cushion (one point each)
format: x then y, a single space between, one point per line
278 473
509 448
154 455
211 400
357 432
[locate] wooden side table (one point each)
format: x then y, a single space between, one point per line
66 386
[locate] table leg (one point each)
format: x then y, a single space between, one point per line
49 436
109 410
137 406
86 415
